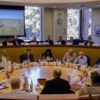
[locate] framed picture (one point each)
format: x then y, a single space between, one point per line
97 28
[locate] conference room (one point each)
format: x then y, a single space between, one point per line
49 50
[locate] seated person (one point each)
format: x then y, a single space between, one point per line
5 43
57 85
97 62
34 40
49 40
27 57
81 59
16 41
15 86
4 58
48 56
81 40
95 83
71 41
95 79
70 56
61 40
89 42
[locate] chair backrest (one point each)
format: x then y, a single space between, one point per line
18 96
88 59
22 58
59 97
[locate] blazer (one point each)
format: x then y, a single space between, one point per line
57 86
73 43
37 42
63 42
91 43
25 57
19 42
98 61
50 42
5 43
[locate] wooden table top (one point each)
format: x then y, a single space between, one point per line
44 72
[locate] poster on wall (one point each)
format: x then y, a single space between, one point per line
97 28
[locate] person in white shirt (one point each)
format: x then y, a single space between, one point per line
81 59
89 42
4 58
70 56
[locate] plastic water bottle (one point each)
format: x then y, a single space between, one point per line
57 61
31 86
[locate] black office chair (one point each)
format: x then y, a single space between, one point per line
88 60
21 58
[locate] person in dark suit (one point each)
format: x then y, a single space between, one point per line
34 40
71 41
49 40
27 57
95 79
16 41
89 42
97 62
5 43
63 42
57 85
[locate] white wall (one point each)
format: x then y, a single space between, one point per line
95 21
60 29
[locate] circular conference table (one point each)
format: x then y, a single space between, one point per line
43 72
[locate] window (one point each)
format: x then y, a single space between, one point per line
90 22
33 22
73 23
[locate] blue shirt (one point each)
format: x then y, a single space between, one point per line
98 61
81 61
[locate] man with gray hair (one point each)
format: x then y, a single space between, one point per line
4 58
57 85
70 56
15 85
81 59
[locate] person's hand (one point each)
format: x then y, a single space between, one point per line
96 65
79 57
29 60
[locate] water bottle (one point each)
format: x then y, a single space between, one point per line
31 86
57 62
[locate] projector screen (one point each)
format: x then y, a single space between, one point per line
11 22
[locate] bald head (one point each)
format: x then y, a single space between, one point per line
15 83
81 54
70 51
57 73
15 37
4 52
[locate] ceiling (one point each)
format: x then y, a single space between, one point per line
55 3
